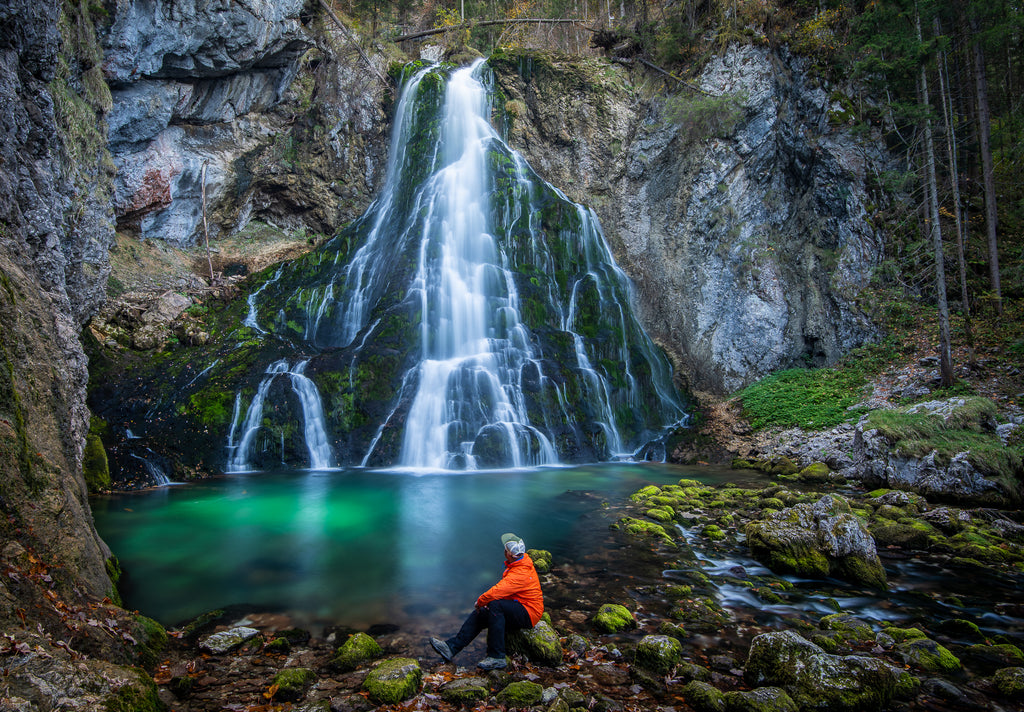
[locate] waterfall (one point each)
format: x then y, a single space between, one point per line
473 317
315 434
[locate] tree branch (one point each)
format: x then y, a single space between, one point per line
348 35
485 23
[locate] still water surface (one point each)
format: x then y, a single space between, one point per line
350 547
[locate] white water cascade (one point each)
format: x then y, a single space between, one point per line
473 317
246 429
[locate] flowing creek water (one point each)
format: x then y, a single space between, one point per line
363 547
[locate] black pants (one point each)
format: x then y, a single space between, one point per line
496 617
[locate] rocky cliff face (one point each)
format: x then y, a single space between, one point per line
55 226
742 211
203 93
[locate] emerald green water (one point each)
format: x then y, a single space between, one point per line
349 547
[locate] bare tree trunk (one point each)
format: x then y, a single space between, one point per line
954 180
206 232
945 345
988 175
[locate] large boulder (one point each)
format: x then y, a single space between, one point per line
817 680
818 540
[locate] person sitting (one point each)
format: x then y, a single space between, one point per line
513 603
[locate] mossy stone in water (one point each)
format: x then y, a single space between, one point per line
292 683
661 514
465 690
357 650
393 680
929 656
521 694
541 560
658 653
645 493
848 626
613 618
763 699
539 644
815 472
1010 682
644 529
703 697
989 658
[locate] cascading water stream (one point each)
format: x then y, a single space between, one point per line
473 317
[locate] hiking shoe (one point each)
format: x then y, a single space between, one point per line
441 648
492 664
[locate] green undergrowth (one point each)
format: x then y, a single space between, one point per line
812 399
969 428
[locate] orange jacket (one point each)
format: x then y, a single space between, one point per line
520 583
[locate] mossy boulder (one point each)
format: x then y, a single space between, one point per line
928 656
1010 682
816 472
703 696
849 627
393 680
539 644
465 690
521 693
815 679
293 683
763 699
357 650
645 493
661 514
541 559
613 618
659 653
817 540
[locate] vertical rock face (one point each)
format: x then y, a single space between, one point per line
54 233
741 212
196 84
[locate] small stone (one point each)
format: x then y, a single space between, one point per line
1010 682
466 690
521 694
393 680
225 640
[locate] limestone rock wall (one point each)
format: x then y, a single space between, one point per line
742 212
208 92
55 228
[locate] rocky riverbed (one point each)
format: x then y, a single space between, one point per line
784 597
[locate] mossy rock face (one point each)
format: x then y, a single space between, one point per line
613 618
541 559
815 679
357 650
929 656
659 653
763 699
393 680
703 697
95 466
522 693
293 683
465 690
539 644
1010 682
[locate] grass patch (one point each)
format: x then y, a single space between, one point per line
815 400
967 429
